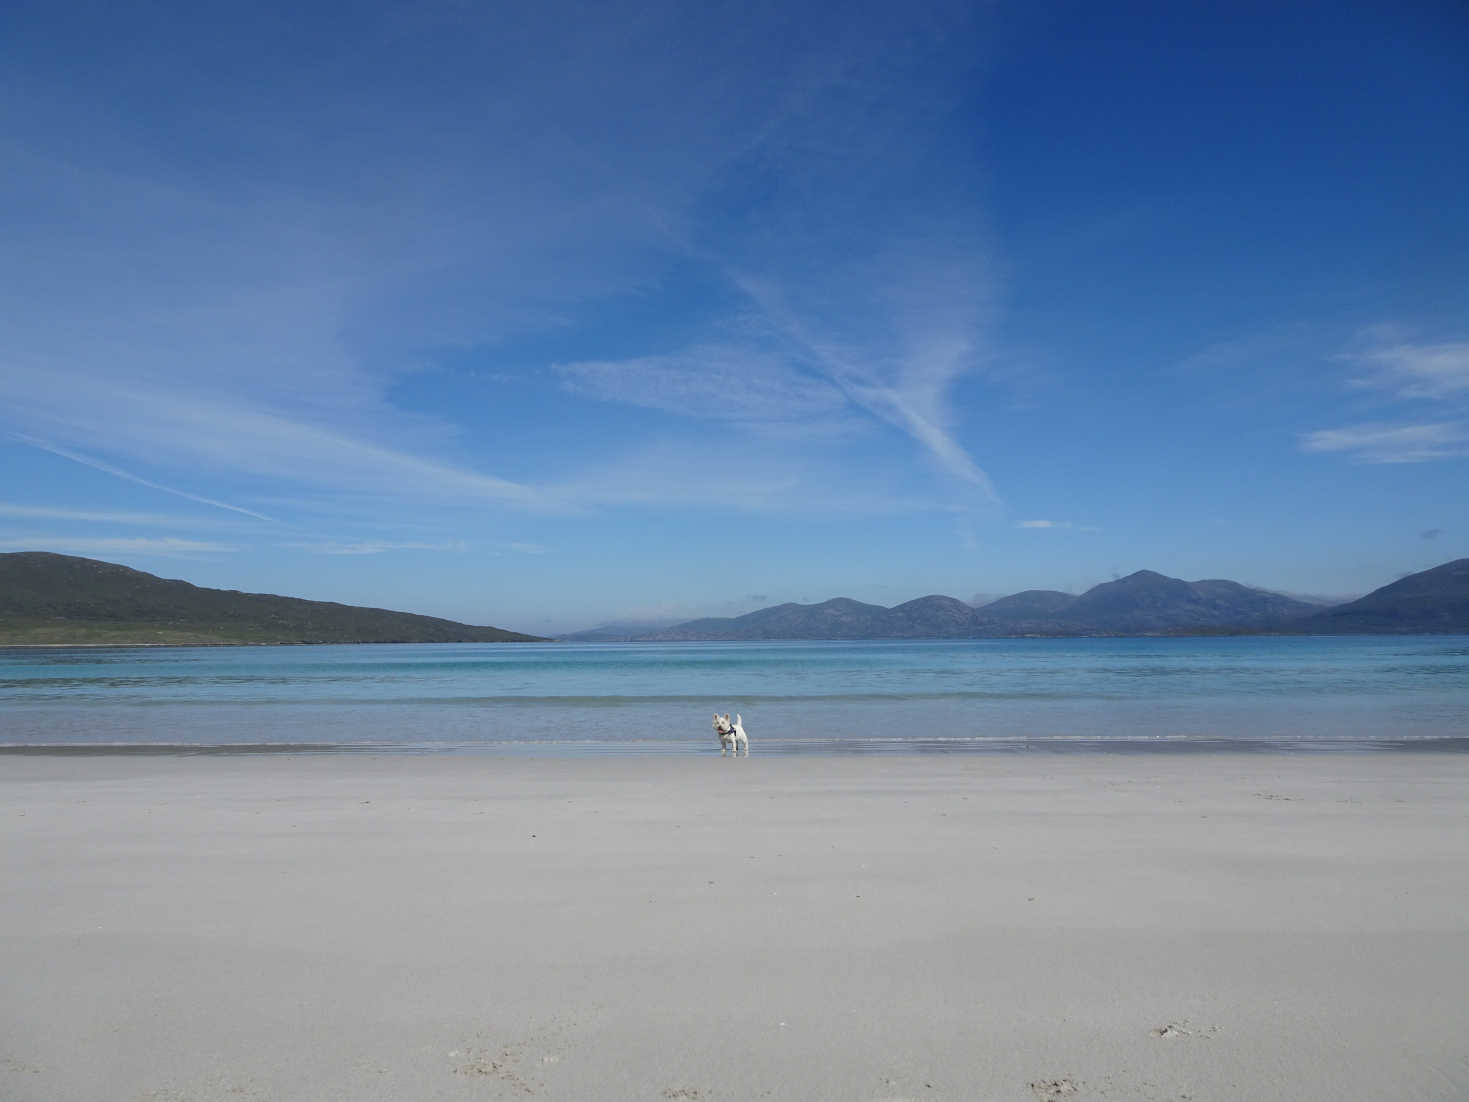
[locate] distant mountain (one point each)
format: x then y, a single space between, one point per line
1032 604
840 618
48 598
932 617
1148 603
1145 603
1435 600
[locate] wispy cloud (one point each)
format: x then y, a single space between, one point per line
1056 524
1393 443
235 437
1417 370
116 545
907 386
118 472
1411 376
717 382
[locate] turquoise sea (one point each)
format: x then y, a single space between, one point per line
796 697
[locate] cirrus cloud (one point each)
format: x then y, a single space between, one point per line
1417 370
1392 443
720 381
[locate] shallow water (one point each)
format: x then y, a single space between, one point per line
865 697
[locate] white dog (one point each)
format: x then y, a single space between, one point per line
731 735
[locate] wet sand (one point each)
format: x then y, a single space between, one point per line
1027 926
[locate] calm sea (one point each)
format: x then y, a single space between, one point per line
876 697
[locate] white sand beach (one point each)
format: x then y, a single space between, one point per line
994 927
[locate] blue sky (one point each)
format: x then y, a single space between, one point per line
543 315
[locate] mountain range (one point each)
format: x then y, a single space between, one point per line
48 598
1144 603
62 599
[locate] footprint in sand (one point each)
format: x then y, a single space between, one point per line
1184 1028
504 1065
1055 1090
515 1064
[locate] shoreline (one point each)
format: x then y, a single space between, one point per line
830 749
895 639
1005 927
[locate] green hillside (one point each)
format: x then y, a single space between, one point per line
60 599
